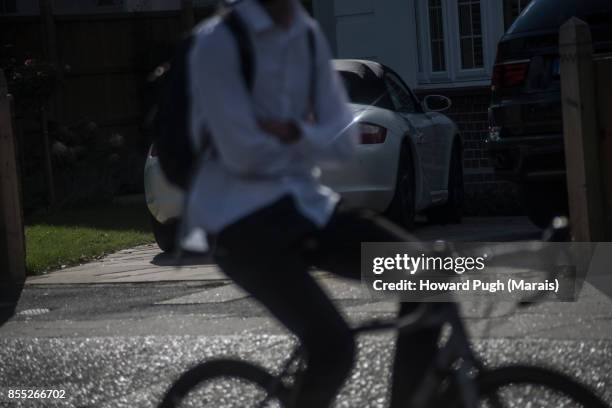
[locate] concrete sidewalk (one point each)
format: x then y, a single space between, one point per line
147 264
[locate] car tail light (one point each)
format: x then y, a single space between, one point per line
153 151
494 129
372 134
509 74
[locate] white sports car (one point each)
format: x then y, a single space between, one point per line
409 159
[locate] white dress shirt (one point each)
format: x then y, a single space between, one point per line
252 169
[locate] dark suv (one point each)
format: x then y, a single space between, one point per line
526 126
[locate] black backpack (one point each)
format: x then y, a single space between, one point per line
169 119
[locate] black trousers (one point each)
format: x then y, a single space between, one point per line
269 254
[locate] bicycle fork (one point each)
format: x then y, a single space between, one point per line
454 361
464 373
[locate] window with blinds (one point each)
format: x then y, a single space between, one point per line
470 34
436 35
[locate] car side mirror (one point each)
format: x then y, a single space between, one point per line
436 103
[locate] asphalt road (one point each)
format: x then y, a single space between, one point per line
121 345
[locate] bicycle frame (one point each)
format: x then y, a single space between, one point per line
454 357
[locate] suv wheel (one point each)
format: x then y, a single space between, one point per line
544 201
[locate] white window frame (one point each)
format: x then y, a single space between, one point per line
491 14
424 38
468 73
471 35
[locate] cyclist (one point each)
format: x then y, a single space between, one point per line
259 193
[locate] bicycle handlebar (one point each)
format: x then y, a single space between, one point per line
435 314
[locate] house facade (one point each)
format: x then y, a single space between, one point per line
443 47
430 43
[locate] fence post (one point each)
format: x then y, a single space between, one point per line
603 67
12 248
49 38
580 131
48 32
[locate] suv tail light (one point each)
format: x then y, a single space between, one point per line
372 134
509 74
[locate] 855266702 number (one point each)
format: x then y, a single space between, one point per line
36 394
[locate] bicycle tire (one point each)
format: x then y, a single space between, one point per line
490 382
224 368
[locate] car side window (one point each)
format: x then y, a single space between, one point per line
402 100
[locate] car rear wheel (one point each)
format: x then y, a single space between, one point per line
402 209
544 201
165 234
452 211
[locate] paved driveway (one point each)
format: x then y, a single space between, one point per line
147 264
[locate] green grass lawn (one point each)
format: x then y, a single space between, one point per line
73 236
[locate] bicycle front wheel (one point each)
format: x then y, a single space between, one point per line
226 383
533 387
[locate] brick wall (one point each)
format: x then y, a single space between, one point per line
485 194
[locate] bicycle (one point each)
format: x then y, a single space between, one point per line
456 377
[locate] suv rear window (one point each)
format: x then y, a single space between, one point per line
550 14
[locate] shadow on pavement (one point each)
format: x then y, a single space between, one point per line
6 312
9 297
187 259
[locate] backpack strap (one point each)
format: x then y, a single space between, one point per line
245 47
246 53
312 92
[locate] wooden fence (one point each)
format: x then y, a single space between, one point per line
104 62
587 120
104 59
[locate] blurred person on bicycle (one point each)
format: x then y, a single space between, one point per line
258 193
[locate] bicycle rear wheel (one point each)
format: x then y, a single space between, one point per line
226 383
533 387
